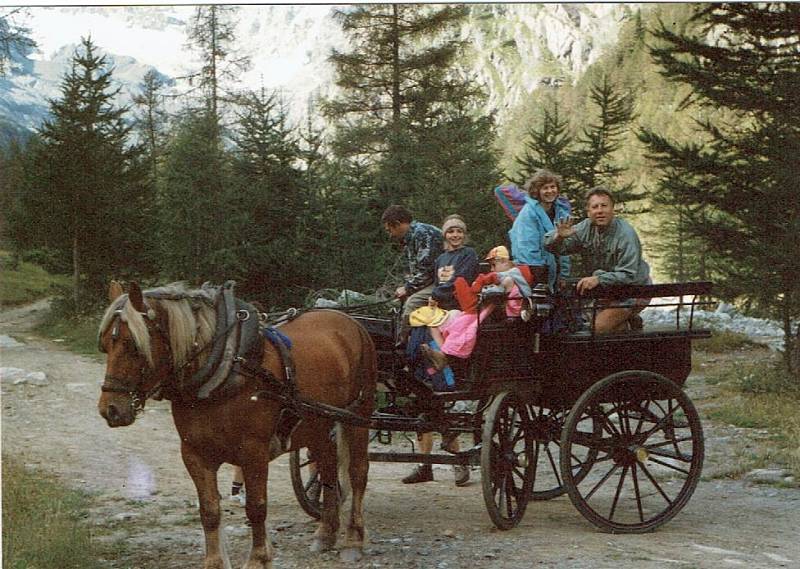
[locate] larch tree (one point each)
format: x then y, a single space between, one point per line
743 59
94 177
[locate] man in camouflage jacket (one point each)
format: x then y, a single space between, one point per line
422 244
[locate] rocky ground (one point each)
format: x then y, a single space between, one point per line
144 503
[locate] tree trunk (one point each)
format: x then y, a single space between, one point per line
794 356
76 273
395 67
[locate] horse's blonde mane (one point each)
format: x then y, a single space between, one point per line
187 327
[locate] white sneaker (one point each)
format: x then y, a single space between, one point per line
461 474
239 498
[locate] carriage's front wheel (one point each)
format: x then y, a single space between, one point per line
506 460
647 452
306 482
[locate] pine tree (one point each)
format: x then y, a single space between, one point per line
744 60
93 184
151 119
410 115
194 210
14 37
593 159
271 198
548 145
213 35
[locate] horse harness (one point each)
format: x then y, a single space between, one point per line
114 384
236 344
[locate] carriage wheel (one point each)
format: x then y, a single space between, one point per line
306 483
648 452
546 426
506 460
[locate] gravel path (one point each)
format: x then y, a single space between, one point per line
143 497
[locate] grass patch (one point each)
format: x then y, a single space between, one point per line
24 282
724 341
761 395
43 525
76 333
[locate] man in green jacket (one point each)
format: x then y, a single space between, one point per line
614 255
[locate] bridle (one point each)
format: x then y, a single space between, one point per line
133 388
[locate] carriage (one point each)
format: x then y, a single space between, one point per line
550 409
602 418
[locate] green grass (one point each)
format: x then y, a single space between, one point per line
25 282
761 395
76 333
44 523
724 341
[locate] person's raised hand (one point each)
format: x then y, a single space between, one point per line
564 228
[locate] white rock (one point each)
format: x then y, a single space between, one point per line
11 373
33 378
766 475
9 342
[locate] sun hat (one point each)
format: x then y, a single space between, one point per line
427 316
499 252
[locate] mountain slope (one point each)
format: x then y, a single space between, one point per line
514 48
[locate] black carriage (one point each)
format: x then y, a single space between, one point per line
603 418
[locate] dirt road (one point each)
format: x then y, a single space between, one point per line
144 499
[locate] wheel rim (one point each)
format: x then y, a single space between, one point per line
648 452
506 461
306 483
546 426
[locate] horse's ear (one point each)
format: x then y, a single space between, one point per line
135 297
114 291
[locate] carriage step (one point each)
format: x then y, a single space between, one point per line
466 458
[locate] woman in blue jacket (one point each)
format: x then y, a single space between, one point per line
543 209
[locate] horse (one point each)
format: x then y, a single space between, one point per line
155 339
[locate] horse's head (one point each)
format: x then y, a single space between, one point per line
134 337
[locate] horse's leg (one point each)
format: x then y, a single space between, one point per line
256 473
354 442
324 452
204 476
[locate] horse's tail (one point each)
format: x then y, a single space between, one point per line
343 462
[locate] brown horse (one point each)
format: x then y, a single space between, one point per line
155 339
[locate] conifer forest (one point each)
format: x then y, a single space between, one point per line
691 118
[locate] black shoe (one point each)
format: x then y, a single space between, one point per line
422 473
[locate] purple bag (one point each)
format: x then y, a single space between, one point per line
511 199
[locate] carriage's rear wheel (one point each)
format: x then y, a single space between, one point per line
506 460
306 482
648 452
546 426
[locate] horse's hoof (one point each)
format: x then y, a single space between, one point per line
318 546
350 555
251 564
